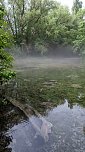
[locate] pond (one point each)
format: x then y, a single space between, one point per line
58 95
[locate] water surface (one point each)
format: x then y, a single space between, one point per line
58 94
68 132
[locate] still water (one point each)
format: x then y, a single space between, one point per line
67 134
65 115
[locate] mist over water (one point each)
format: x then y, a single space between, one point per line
55 57
45 62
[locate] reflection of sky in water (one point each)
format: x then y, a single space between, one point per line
67 132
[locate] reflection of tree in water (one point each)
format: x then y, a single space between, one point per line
70 105
84 129
9 116
4 142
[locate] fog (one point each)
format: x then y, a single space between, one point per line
45 62
56 57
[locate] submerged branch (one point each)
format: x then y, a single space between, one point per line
46 126
25 108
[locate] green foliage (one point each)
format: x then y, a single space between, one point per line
35 22
40 47
5 41
77 5
59 25
79 42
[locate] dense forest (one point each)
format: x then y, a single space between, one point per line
36 26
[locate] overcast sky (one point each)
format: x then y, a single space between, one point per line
69 3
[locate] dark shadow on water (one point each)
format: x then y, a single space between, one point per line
9 116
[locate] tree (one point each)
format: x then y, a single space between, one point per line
39 23
37 18
16 18
79 42
59 25
77 4
5 41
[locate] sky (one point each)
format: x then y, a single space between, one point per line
69 3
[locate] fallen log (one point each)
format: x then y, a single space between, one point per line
29 111
25 108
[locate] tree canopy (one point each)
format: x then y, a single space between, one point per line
43 22
5 41
77 4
